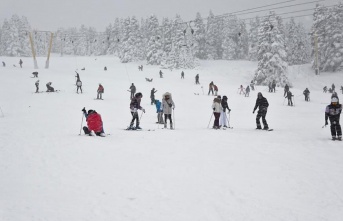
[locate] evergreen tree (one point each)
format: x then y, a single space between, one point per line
253 39
199 37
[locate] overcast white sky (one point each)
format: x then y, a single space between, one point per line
50 15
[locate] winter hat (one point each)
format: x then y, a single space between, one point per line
259 93
334 100
139 94
90 111
224 97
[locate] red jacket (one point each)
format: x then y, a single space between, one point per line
94 122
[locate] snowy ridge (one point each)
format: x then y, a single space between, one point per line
191 173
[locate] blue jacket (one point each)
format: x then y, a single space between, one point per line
158 106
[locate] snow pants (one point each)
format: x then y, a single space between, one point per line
79 87
261 113
335 127
290 102
160 118
134 117
87 131
216 119
210 90
99 96
223 121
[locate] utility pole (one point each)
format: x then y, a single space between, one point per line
33 52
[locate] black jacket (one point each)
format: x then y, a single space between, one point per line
262 104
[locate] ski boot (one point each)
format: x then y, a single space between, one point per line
138 128
339 138
334 138
266 128
258 128
165 126
171 126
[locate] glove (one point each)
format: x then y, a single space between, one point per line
229 110
326 122
83 110
143 110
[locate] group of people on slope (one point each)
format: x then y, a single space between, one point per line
220 108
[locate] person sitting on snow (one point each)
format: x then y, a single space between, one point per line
94 123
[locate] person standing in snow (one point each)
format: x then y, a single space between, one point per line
168 106
161 74
247 91
252 85
132 90
159 112
262 104
286 90
49 88
77 77
289 97
21 63
135 105
223 120
3 64
217 108
325 89
79 86
333 112
197 79
94 123
182 75
152 95
210 88
37 86
100 91
333 87
241 90
273 86
215 88
307 94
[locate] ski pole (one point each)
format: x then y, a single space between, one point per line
202 90
293 101
141 116
174 118
228 121
210 120
2 113
81 123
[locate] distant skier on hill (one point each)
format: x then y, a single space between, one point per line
168 106
77 77
307 94
273 86
152 95
215 88
252 85
37 86
132 90
182 75
49 88
100 91
325 89
289 96
159 112
3 64
105 68
135 105
341 89
161 74
241 89
262 104
286 89
21 63
78 86
197 79
247 91
210 88
94 123
333 87
333 112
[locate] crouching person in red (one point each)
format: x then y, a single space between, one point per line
94 123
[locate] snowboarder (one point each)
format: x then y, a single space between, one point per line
21 63
333 112
37 86
197 79
100 91
79 86
325 89
307 94
3 64
210 88
289 96
182 75
252 85
94 123
215 88
262 104
161 74
286 90
135 105
152 95
35 74
217 109
333 87
168 106
159 112
132 90
223 121
247 91
50 89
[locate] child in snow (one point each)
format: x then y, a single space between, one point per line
94 123
289 96
100 92
168 106
333 112
210 88
159 112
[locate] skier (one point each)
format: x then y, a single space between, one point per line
270 87
247 91
105 68
210 88
152 95
37 86
132 90
50 89
135 105
333 87
159 112
341 89
333 112
100 91
223 121
77 78
3 64
167 106
215 90
182 75
197 79
241 89
273 86
161 74
286 90
262 104
307 94
289 96
35 74
252 85
21 63
94 123
325 89
79 86
217 109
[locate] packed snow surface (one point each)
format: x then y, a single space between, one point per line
50 172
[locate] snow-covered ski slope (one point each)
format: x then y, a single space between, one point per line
49 172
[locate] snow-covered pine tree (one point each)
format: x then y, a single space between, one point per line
253 38
154 36
211 37
242 41
24 28
10 38
230 31
199 37
272 55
